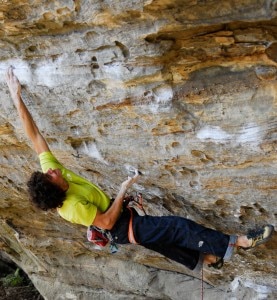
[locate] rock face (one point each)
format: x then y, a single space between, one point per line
183 90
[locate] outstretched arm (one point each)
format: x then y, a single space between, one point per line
107 219
28 123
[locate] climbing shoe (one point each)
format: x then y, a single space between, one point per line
260 236
218 264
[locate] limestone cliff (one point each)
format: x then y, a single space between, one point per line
185 90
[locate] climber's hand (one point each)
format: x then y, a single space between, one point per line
13 84
130 181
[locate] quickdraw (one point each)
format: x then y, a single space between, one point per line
101 237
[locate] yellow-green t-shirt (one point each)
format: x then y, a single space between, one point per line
83 198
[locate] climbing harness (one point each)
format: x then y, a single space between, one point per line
131 236
101 237
134 203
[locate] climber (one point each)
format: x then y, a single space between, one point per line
80 201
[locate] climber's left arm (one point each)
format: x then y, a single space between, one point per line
30 127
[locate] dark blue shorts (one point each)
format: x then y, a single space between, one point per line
177 238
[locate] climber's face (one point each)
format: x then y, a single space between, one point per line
55 176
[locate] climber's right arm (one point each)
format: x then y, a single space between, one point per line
107 219
28 123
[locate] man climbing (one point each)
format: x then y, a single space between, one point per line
80 201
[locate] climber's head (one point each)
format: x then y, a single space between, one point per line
47 190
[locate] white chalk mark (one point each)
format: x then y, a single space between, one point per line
249 134
213 133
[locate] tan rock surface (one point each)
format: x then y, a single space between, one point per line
184 90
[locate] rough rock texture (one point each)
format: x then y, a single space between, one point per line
184 90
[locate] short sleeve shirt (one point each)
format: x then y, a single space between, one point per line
83 198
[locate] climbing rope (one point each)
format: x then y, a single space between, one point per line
202 282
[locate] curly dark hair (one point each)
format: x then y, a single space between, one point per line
43 193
